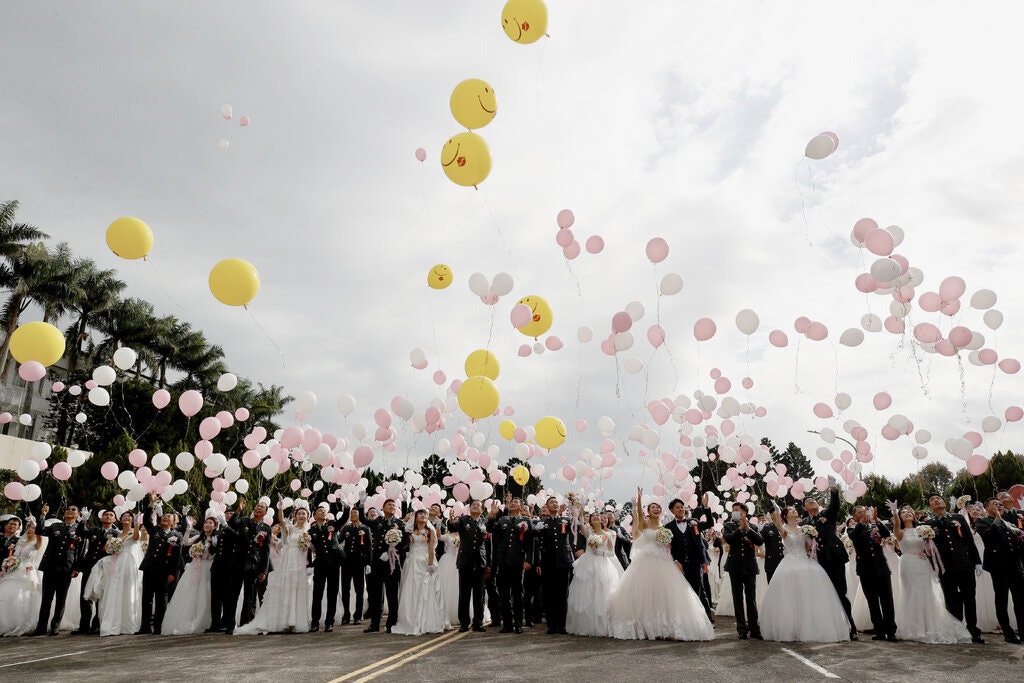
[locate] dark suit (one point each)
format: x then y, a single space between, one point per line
472 564
555 554
225 575
1004 560
356 542
875 575
832 555
623 545
384 578
689 551
95 550
60 559
257 563
160 567
327 557
511 545
960 556
743 571
774 549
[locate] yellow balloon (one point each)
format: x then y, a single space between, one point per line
520 475
473 103
524 21
439 277
234 282
478 397
129 238
550 432
466 159
542 316
38 341
482 362
507 429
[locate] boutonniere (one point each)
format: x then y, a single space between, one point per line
563 527
959 531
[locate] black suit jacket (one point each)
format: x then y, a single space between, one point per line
325 545
955 542
556 548
512 541
623 545
774 549
688 547
867 542
473 545
95 547
65 547
378 528
1004 547
742 548
356 542
831 550
164 555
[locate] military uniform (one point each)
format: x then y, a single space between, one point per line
743 570
224 572
95 550
832 555
161 566
875 576
472 563
356 542
257 564
384 578
774 549
62 555
327 555
960 556
1004 560
555 554
512 545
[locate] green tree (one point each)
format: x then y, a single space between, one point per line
1004 470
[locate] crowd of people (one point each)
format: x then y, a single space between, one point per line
935 576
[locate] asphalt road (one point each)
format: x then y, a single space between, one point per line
349 655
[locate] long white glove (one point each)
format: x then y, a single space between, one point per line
367 571
977 570
383 557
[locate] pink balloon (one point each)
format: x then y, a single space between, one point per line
656 335
311 440
524 351
553 343
565 219
817 331
866 283
704 329
944 348
621 322
926 333
161 397
421 154
722 385
91 384
14 490
382 434
520 315
460 492
903 294
362 456
291 437
977 464
862 227
382 417
902 260
890 433
190 402
748 383
930 302
241 414
1011 366
432 415
440 378
974 438
520 434
988 356
760 411
728 427
960 336
137 457
882 400
657 250
778 339
109 471
209 428
595 245
581 425
951 288
569 473
564 238
423 363
260 433
250 459
950 308
837 465
572 251
203 450
694 416
801 324
659 412
715 373
58 387
894 325
31 371
822 411
879 242
821 483
1014 414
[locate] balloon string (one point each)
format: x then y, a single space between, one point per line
501 235
279 351
159 284
803 205
433 327
575 279
796 369
963 384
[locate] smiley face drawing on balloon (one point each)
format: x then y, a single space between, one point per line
524 21
473 103
466 159
542 316
439 277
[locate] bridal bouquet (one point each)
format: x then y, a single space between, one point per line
11 564
456 540
197 550
663 536
393 537
305 540
926 532
572 499
594 541
809 530
114 545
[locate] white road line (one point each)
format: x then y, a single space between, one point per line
816 667
43 659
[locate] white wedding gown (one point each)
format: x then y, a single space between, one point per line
21 591
800 603
116 583
421 608
920 611
189 611
595 577
654 600
286 604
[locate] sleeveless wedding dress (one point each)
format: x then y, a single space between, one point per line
800 603
595 577
116 583
921 611
21 590
189 611
421 607
286 604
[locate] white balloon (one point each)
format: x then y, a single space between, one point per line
80 418
584 334
819 147
223 143
633 365
478 284
28 469
225 111
919 452
305 402
983 299
443 446
899 423
635 310
843 400
31 492
977 341
823 453
104 375
993 319
124 358
747 321
871 322
991 424
227 382
605 425
41 450
99 397
478 439
851 337
961 448
922 436
160 461
502 284
74 390
538 348
233 470
359 430
671 284
126 479
179 486
405 409
885 270
828 435
269 469
650 438
184 461
230 497
623 341
897 234
25 419
242 486
76 458
899 309
346 404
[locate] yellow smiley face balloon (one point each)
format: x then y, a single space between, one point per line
550 432
524 21
439 277
473 103
542 316
466 159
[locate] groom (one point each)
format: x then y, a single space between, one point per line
832 555
743 540
688 546
873 570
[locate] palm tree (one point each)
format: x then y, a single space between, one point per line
21 253
14 237
130 322
100 291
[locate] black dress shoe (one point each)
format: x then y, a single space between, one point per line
878 636
346 621
38 632
329 628
853 636
371 629
156 632
529 624
463 629
892 638
505 630
517 629
229 631
356 622
53 632
743 636
387 629
563 632
1012 639
978 639
143 632
79 633
314 628
552 631
211 630
479 629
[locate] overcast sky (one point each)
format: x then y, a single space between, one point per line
681 120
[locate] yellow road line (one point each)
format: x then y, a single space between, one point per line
419 654
384 661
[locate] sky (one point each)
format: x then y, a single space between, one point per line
680 120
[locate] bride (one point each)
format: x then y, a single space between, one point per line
595 577
190 610
285 607
654 600
421 607
920 610
116 582
20 583
801 604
